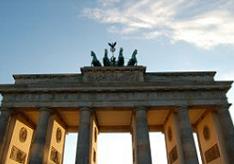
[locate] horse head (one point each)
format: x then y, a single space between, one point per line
134 53
106 52
93 54
121 52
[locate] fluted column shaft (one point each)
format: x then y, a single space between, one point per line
227 129
39 143
84 137
141 132
4 121
186 136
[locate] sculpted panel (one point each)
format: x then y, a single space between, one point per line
23 134
55 156
173 155
212 153
18 155
112 76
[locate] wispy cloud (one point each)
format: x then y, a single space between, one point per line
203 23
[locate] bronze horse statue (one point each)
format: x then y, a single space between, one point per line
95 62
120 61
133 60
106 60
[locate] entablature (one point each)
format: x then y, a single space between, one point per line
106 85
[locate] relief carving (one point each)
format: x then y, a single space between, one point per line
74 97
112 76
58 135
55 156
212 153
169 133
173 155
206 133
23 134
18 155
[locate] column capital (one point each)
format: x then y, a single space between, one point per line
182 107
7 111
85 108
223 107
43 108
46 109
3 109
138 108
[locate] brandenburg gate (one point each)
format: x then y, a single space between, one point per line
39 109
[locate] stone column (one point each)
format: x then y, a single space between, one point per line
186 136
227 130
84 136
39 144
4 121
141 146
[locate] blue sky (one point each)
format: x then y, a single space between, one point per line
56 36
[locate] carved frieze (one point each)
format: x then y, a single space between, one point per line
69 97
112 98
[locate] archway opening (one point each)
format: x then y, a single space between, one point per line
158 148
70 148
114 148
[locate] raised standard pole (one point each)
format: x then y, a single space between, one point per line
141 136
84 137
186 136
227 130
39 144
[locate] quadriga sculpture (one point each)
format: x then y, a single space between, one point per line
95 62
106 60
133 60
112 61
120 58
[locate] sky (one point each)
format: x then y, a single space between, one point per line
56 36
